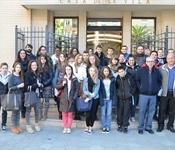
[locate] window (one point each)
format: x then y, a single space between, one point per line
66 33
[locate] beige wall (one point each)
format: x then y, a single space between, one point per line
11 14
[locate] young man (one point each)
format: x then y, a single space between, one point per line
124 51
28 49
103 59
4 77
125 89
140 56
85 57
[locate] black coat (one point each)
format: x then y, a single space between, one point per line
125 87
30 79
102 92
46 77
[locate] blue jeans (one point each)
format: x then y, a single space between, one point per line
147 105
106 111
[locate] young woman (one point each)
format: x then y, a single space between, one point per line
46 75
56 55
69 86
15 84
93 61
107 95
79 70
23 60
43 51
32 80
59 73
74 51
91 90
131 69
113 65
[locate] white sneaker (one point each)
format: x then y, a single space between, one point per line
64 130
3 128
29 129
37 127
68 130
133 119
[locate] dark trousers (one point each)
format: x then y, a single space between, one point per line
123 112
91 115
167 103
4 115
23 108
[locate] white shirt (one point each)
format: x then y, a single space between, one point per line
107 83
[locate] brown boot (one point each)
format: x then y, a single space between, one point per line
19 129
14 130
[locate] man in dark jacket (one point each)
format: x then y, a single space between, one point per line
125 89
28 49
103 59
148 83
140 56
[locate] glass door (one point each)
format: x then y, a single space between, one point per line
106 32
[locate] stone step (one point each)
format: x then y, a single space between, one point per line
53 119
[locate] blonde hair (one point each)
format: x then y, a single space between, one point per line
95 78
76 61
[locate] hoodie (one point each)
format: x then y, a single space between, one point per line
4 83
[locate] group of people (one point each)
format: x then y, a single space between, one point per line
124 81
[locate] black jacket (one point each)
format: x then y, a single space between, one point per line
4 87
125 87
30 79
103 59
102 92
148 83
46 77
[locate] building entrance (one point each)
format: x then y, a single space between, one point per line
106 32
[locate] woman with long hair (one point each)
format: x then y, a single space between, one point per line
74 51
15 84
107 96
69 86
79 70
91 90
113 65
93 61
23 60
46 75
32 80
43 51
59 73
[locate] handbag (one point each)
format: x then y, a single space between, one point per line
11 101
30 98
82 106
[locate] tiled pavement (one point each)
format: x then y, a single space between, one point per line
52 138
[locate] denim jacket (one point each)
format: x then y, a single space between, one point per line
95 89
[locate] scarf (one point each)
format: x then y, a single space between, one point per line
90 84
